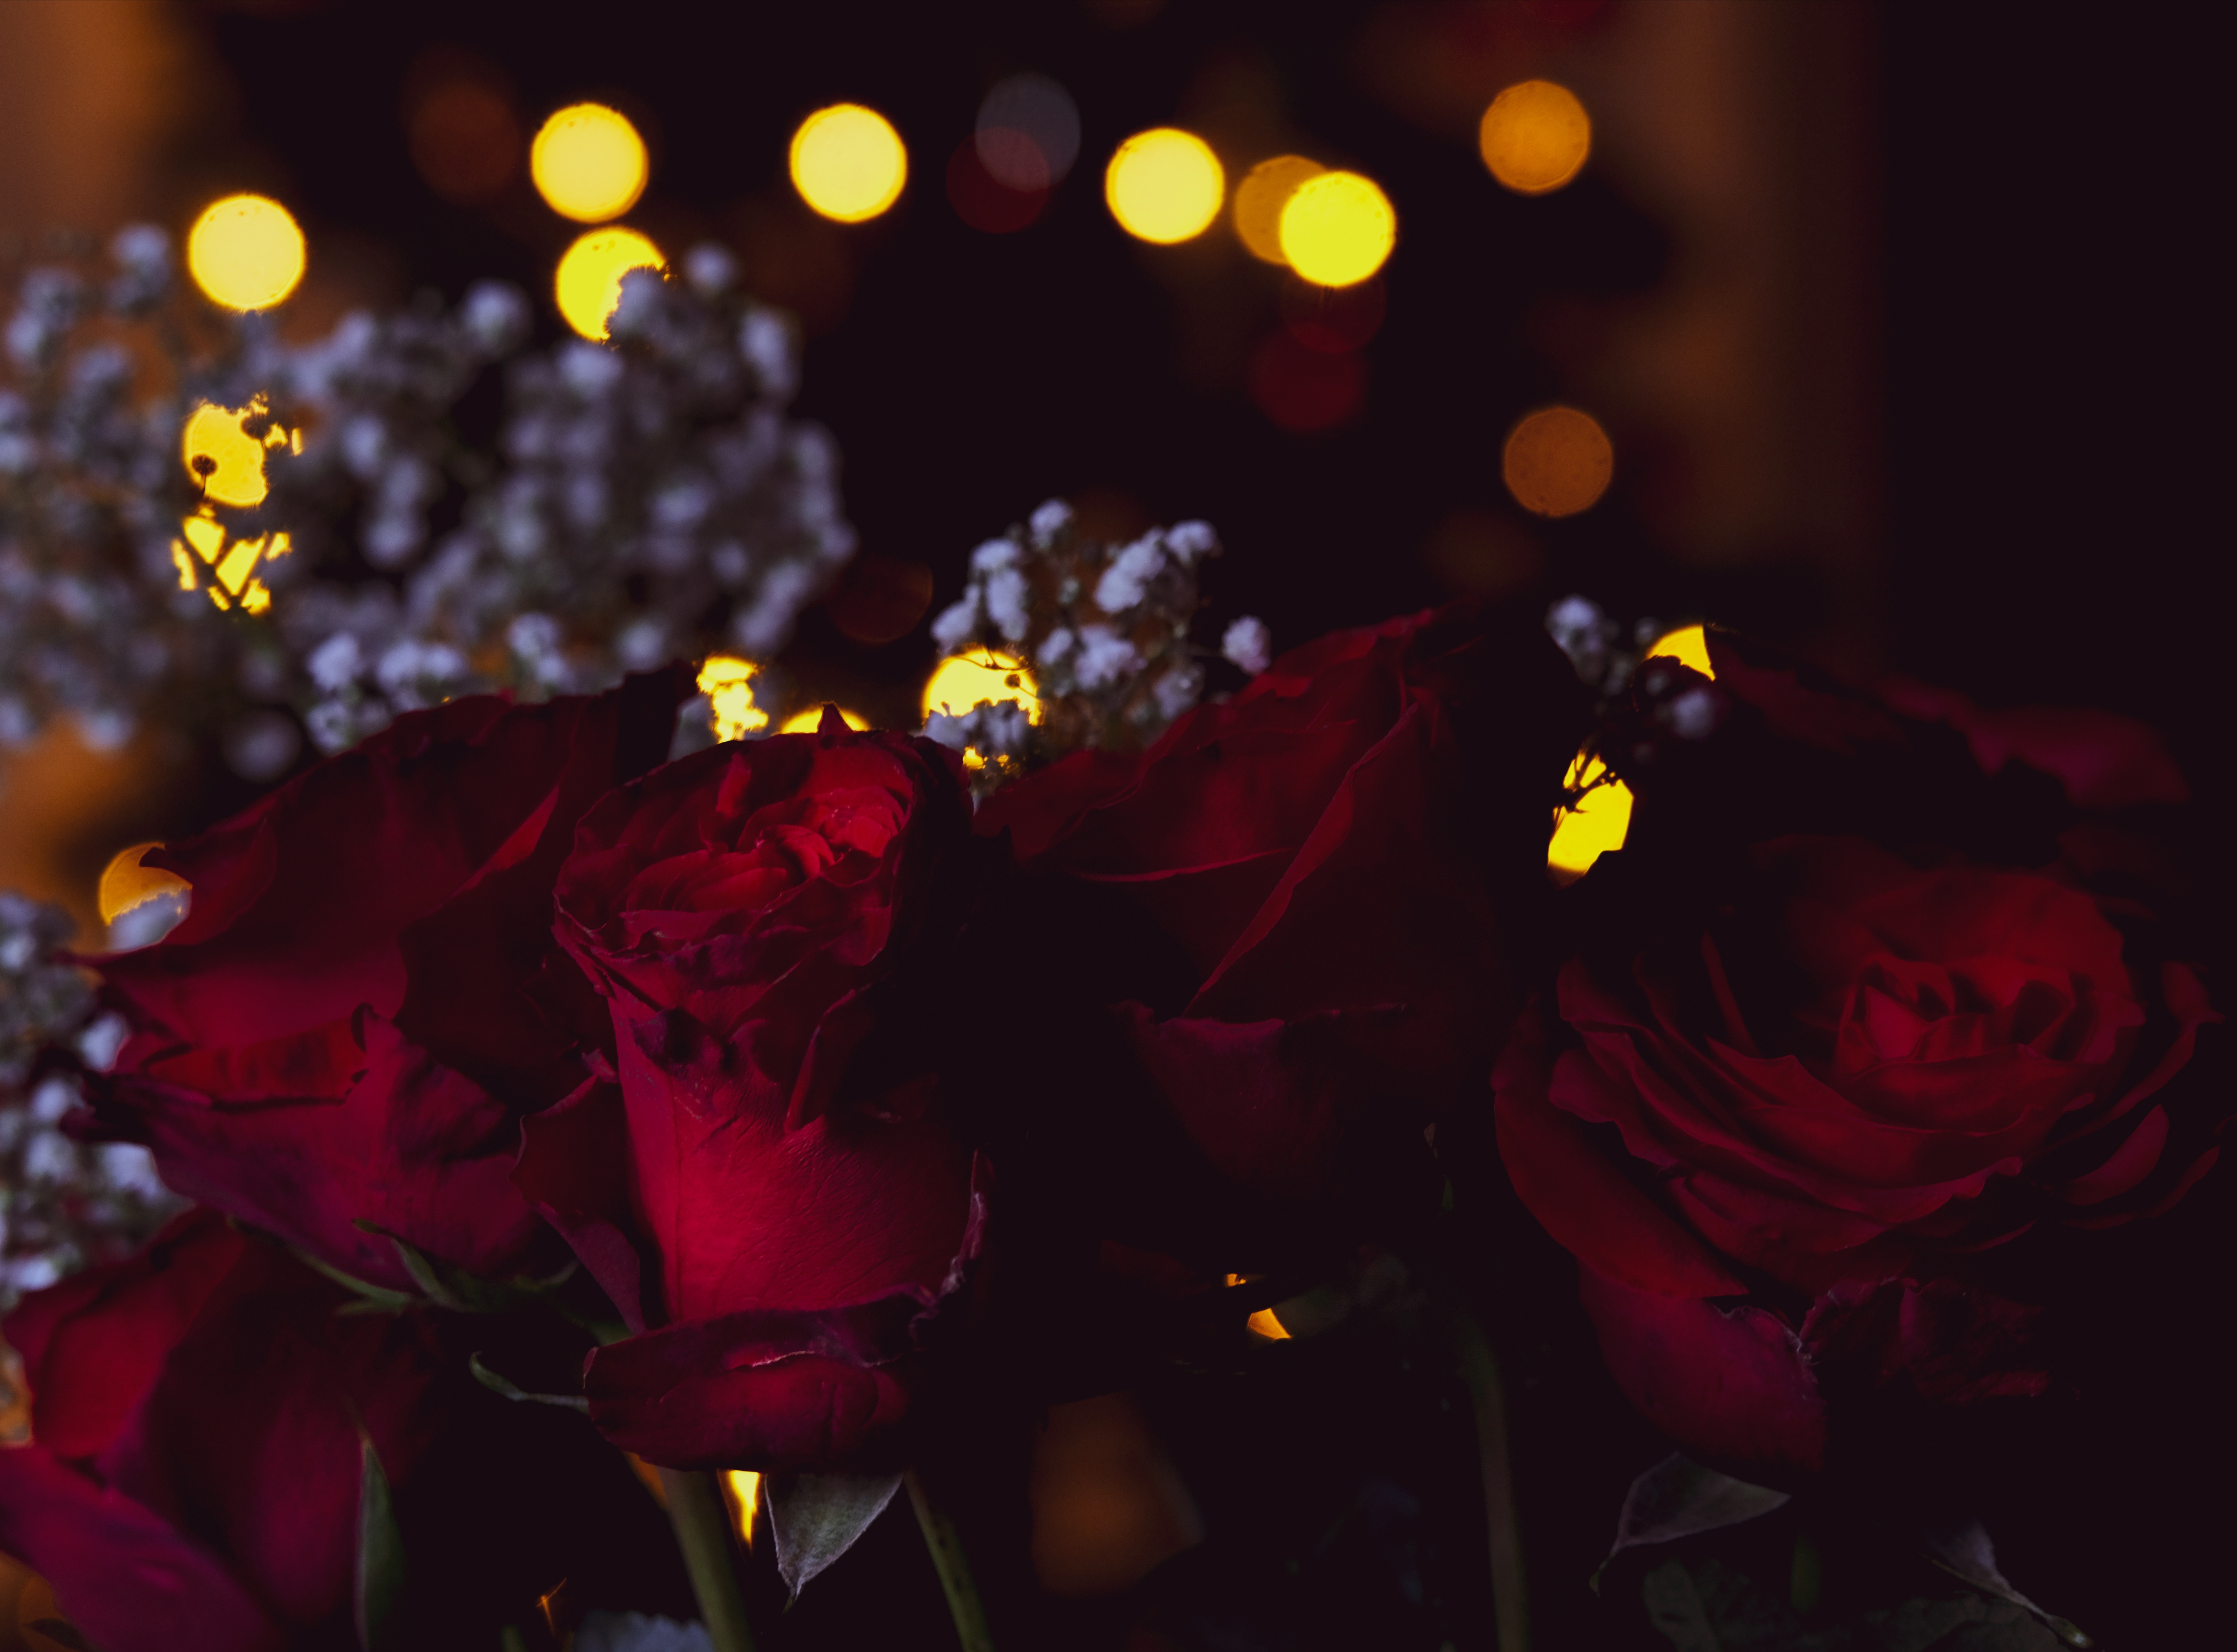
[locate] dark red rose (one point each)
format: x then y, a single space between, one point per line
342 1030
770 1189
1854 1073
192 1482
1311 883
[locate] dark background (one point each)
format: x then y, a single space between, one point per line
2018 216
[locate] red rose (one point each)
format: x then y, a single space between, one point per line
192 1482
1304 888
1855 1070
770 1189
341 1031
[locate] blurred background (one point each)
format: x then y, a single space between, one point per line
1900 332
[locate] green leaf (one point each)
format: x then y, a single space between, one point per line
510 1390
1677 1498
1709 1607
1967 1553
816 1518
379 1550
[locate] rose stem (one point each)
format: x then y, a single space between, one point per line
1487 1397
945 1546
702 1530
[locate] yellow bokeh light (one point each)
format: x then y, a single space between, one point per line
246 253
1265 190
232 567
1535 137
964 680
1558 461
126 883
589 163
727 682
1689 646
1338 228
741 1490
1165 185
1265 1325
225 459
588 282
807 722
1597 823
849 163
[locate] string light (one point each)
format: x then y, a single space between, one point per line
743 1490
1259 199
1535 137
727 682
1165 185
126 883
589 163
1689 646
964 680
589 281
1597 822
807 722
849 163
246 253
1263 1324
1337 228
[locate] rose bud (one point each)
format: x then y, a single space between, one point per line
770 1188
202 1421
1789 1093
343 1033
1301 904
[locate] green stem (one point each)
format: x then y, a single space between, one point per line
945 1546
702 1530
1487 1397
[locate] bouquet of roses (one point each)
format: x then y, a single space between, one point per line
554 1112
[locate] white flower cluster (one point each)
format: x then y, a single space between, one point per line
459 512
62 1203
1101 630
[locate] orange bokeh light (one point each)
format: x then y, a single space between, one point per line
1558 461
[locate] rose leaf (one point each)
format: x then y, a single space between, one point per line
1678 1498
1966 1553
817 1517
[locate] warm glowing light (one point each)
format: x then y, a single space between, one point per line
1595 823
849 163
231 565
126 883
1688 646
807 722
246 253
1165 185
589 163
1266 189
1338 228
1535 137
727 682
1557 462
588 283
965 679
1265 1325
743 1490
223 459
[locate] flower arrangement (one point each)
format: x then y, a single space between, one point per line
529 1098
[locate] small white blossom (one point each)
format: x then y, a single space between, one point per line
1127 582
1248 644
